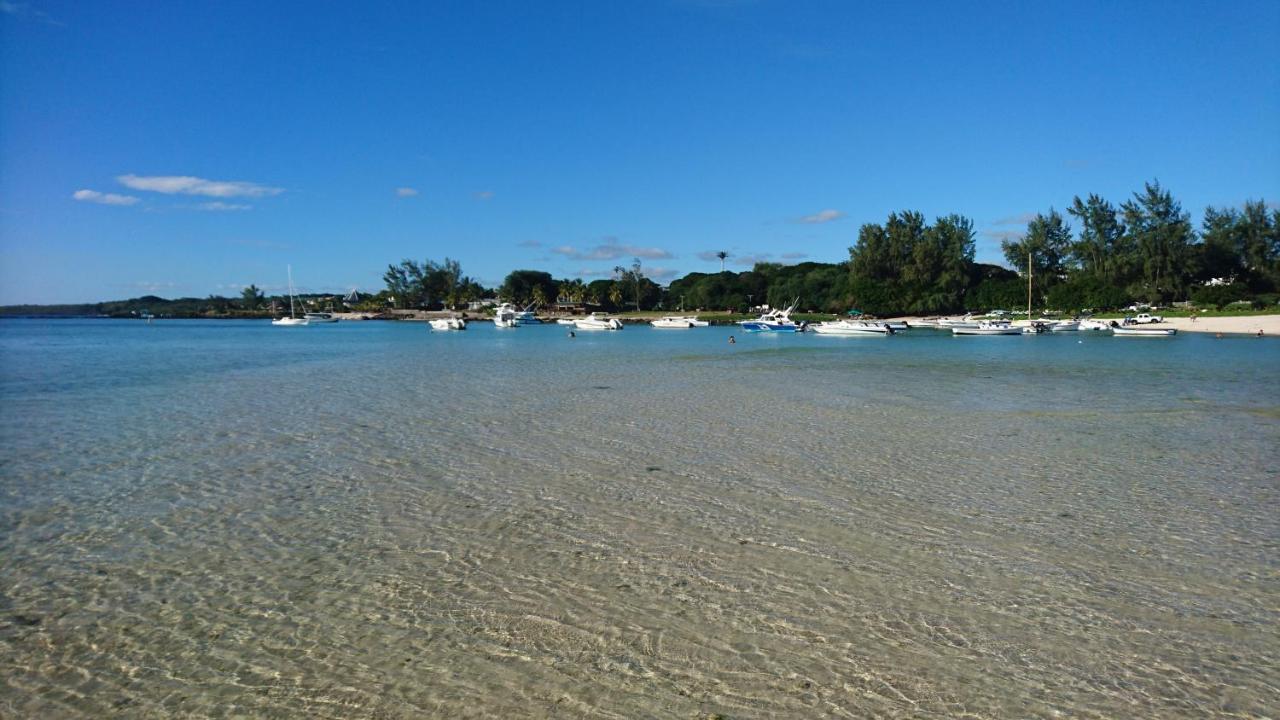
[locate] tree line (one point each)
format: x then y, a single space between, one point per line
1145 249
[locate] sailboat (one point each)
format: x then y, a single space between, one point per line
293 318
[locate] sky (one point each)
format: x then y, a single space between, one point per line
190 149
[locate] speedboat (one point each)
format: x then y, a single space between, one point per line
1142 331
677 321
1094 325
319 317
852 327
449 324
289 321
505 316
526 316
598 321
773 321
1065 326
564 321
988 328
968 321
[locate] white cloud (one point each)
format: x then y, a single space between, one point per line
611 249
1022 219
751 260
223 207
1003 235
94 196
484 195
406 192
187 185
24 10
823 216
659 273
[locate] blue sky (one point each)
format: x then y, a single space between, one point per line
187 149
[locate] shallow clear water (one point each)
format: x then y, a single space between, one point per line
373 520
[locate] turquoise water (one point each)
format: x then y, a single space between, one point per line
374 520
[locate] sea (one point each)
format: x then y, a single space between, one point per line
372 520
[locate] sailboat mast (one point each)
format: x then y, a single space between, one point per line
289 269
1028 285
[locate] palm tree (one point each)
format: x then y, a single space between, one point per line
722 255
539 296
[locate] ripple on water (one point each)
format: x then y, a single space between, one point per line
420 528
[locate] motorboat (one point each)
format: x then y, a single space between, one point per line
774 321
598 321
1142 331
564 321
968 321
1094 325
320 317
293 320
853 327
988 328
678 321
526 316
449 324
1065 326
505 316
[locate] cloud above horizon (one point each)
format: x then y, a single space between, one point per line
188 185
484 195
1022 219
405 192
218 206
824 216
611 249
94 196
1003 235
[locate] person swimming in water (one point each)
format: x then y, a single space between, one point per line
731 340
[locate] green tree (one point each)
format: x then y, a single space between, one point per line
1048 242
251 298
1162 235
1102 250
519 284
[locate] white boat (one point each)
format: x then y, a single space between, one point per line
1142 331
526 316
449 324
774 321
293 320
505 316
852 327
1065 326
678 321
598 321
987 328
1094 325
319 317
968 321
564 321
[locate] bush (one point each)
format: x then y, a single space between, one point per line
1216 296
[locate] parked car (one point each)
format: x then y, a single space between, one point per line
1145 318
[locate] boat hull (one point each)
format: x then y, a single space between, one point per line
756 326
1144 332
986 331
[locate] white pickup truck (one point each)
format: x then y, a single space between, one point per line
1144 318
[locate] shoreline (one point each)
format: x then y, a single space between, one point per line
1269 325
